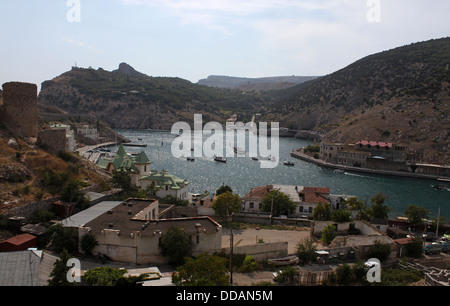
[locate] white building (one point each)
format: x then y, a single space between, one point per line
166 184
88 132
304 198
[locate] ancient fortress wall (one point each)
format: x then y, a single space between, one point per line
53 141
19 111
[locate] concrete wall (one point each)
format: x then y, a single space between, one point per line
262 251
144 250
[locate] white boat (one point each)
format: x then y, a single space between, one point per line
285 261
220 159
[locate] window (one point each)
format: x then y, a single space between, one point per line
198 239
251 205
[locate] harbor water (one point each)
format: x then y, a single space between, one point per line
243 173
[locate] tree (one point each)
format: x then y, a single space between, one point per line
63 238
59 272
416 214
282 204
414 248
356 204
223 189
71 193
377 210
176 245
103 276
121 179
287 275
380 251
344 274
205 270
341 216
88 243
306 251
328 234
226 204
322 212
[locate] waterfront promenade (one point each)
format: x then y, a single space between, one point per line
298 153
88 153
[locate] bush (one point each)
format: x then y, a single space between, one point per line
88 243
379 250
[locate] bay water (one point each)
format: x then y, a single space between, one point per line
243 173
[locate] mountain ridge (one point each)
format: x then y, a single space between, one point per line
400 95
262 83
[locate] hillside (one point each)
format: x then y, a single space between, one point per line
266 83
125 98
401 95
30 174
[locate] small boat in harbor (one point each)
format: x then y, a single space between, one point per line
255 158
339 171
437 187
190 159
220 159
288 163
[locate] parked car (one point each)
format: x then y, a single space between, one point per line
445 245
430 236
432 249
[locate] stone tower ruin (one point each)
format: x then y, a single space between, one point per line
19 110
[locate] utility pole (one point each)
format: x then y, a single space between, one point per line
271 211
437 224
231 257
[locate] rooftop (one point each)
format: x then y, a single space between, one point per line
315 194
19 268
121 219
374 143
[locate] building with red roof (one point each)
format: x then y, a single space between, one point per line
366 154
18 243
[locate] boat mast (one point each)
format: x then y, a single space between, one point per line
437 224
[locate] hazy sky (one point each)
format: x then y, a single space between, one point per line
192 39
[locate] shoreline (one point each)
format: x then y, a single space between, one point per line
300 155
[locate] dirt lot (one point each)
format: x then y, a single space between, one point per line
251 237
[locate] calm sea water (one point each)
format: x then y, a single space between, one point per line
243 174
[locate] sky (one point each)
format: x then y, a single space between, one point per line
193 39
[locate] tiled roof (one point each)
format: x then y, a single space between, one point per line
375 143
164 178
19 239
259 192
315 194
